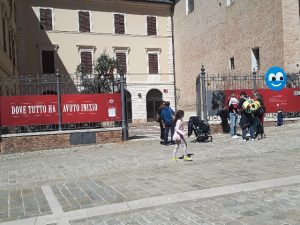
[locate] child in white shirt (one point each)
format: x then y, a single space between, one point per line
178 136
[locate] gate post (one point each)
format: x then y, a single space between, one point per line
58 100
124 119
204 93
198 97
254 79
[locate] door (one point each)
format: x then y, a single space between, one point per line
154 97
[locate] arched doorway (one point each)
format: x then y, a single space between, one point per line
154 97
128 106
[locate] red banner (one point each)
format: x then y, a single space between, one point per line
91 108
287 99
42 110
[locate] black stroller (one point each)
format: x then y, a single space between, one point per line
200 128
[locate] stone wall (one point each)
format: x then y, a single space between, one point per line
139 99
291 35
215 32
13 143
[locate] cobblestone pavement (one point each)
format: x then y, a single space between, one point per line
267 206
63 186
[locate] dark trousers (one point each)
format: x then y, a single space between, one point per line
162 131
167 128
245 131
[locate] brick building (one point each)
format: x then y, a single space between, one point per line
232 36
8 38
62 34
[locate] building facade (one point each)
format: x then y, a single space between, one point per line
232 36
56 34
8 41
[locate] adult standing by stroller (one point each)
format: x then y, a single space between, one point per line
233 114
246 121
159 120
167 119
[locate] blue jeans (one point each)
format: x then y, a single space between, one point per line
233 123
167 128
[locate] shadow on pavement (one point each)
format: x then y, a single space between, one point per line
134 137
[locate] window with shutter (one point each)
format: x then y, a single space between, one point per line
119 23
46 19
121 62
153 63
84 21
48 61
151 25
87 62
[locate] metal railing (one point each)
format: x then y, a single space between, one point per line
212 83
57 84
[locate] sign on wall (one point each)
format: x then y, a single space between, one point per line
43 110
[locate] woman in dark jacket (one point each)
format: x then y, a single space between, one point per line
260 114
246 121
162 128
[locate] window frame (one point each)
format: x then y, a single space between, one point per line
52 14
125 23
158 61
229 2
87 50
90 17
146 25
41 59
188 11
253 56
126 53
232 63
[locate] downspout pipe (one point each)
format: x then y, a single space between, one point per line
173 52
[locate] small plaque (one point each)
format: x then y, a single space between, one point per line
112 112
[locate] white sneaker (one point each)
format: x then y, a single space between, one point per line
252 139
234 137
243 140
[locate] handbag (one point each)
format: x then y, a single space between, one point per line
157 117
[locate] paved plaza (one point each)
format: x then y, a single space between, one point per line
228 182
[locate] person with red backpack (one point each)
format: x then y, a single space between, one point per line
233 114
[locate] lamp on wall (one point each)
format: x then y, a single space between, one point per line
140 95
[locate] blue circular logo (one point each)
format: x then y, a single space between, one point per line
275 78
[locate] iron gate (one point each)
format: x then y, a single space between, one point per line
56 84
211 88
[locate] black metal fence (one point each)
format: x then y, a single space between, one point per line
244 81
57 84
47 85
210 86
